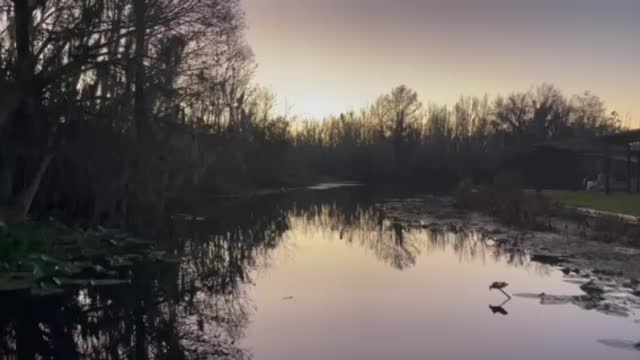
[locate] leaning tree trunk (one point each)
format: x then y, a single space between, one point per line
24 199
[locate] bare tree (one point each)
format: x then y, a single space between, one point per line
550 112
512 113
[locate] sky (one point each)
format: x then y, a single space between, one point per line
323 57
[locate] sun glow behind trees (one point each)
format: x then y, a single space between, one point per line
326 57
162 95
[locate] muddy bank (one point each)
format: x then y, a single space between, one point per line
608 272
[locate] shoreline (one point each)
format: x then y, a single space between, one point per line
608 273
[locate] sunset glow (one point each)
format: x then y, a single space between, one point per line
327 57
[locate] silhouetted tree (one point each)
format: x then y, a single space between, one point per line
111 108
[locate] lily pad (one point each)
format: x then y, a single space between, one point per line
134 258
613 309
548 259
99 269
92 253
74 282
46 291
157 253
186 217
108 231
108 282
119 262
592 289
556 299
20 276
38 271
9 283
48 259
134 243
68 269
120 236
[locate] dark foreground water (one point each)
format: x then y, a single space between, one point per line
316 274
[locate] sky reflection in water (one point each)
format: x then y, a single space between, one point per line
317 275
363 288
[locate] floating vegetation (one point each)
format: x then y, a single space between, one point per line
93 258
621 344
596 298
548 259
188 217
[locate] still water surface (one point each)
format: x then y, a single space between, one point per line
318 275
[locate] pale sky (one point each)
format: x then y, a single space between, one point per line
323 57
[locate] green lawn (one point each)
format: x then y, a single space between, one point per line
623 203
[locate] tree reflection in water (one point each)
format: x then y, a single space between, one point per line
399 245
200 308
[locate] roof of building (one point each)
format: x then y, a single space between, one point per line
615 145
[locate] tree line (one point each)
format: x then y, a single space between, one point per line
400 139
111 109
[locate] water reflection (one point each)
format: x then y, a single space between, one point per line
202 307
399 246
499 309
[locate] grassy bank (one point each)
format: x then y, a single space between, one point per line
552 211
622 203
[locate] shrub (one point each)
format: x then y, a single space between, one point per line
606 228
506 200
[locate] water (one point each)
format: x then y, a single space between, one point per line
317 275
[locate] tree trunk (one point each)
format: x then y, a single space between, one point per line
140 9
9 102
23 21
25 198
6 178
17 112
